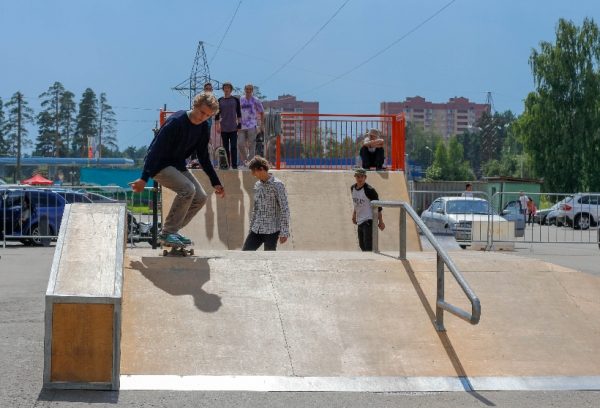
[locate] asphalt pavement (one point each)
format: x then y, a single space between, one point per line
24 274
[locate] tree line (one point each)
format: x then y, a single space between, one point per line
64 128
556 138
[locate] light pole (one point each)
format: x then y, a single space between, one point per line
430 155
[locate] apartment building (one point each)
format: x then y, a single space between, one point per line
447 119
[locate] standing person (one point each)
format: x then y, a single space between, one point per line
228 122
523 200
362 215
252 123
531 210
371 152
270 217
468 191
208 88
183 133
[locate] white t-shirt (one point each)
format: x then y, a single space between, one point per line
523 200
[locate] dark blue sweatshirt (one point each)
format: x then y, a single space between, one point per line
176 140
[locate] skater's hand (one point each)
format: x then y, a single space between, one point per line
381 225
283 240
138 185
353 218
220 191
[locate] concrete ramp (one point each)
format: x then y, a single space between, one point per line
353 321
320 205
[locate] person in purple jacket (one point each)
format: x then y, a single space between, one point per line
184 133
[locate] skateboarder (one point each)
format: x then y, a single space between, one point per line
183 133
270 217
362 215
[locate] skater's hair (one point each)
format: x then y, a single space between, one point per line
208 99
229 84
249 86
207 84
258 163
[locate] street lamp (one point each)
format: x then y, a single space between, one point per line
430 155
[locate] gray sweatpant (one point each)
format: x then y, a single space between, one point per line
246 144
190 197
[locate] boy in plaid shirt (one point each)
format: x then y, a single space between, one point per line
270 219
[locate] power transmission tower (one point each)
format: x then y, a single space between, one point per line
198 77
490 101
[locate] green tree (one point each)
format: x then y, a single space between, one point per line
19 116
107 130
86 123
55 121
46 139
421 144
560 126
3 141
67 120
439 169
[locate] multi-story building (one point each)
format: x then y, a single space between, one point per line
289 103
447 119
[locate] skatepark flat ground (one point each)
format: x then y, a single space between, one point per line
24 278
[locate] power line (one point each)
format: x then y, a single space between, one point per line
226 31
306 43
378 53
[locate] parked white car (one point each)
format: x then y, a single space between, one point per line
582 211
455 216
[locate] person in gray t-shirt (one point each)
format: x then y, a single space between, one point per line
227 122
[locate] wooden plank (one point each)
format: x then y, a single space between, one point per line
82 342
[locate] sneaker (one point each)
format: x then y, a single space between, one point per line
169 239
184 240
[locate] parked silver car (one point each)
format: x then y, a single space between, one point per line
455 216
582 211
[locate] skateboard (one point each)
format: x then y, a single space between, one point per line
177 250
222 158
260 144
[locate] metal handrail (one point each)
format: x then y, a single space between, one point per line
441 258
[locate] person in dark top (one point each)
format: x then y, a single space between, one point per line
362 215
228 121
184 133
371 152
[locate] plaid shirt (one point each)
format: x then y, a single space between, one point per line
271 212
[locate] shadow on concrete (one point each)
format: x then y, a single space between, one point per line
180 277
443 336
81 396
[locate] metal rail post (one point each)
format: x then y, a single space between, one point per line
402 233
439 312
154 213
375 211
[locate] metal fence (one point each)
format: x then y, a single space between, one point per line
563 219
549 218
333 141
32 215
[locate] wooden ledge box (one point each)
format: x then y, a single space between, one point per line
83 300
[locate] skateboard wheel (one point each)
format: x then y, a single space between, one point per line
165 252
192 251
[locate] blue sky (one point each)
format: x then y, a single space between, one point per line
136 51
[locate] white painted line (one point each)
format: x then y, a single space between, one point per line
276 383
354 384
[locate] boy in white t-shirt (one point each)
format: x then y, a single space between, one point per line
362 215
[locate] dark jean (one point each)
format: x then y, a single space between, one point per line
230 144
365 235
254 241
374 159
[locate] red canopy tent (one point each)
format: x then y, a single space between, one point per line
37 180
